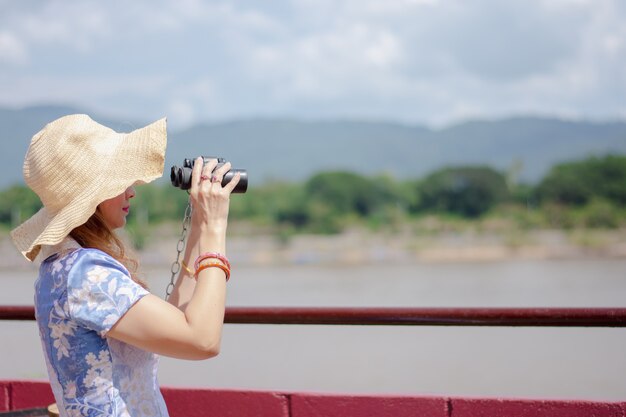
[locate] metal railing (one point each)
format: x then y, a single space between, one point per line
503 317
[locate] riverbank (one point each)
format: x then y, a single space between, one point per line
359 246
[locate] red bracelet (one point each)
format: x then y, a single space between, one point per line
213 264
213 255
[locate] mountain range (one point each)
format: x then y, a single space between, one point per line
292 150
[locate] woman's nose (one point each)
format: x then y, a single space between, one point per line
130 192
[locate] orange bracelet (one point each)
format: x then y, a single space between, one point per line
213 264
209 255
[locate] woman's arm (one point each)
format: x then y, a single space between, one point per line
190 327
155 325
186 284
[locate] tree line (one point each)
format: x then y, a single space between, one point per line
590 193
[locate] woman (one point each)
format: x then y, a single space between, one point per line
101 330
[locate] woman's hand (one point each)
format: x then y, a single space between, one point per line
210 201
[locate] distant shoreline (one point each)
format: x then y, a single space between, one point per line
362 247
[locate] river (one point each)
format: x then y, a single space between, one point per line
511 362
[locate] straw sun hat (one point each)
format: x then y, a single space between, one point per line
74 164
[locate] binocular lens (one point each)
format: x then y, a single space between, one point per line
174 178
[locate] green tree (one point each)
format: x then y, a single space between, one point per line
268 203
577 183
288 205
466 191
18 203
347 192
327 201
159 202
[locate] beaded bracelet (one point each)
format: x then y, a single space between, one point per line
213 264
214 255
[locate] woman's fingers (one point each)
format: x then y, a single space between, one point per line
196 172
233 183
207 169
221 171
205 175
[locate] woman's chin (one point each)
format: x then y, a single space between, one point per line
119 225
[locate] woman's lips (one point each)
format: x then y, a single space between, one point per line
125 209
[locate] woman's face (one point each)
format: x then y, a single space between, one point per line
115 210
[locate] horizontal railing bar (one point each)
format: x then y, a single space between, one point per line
458 316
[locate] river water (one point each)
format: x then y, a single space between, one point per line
511 362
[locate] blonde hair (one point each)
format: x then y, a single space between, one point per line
96 234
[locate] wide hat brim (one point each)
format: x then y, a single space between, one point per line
138 157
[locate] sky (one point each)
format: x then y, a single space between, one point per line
431 62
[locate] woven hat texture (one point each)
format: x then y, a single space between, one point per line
73 164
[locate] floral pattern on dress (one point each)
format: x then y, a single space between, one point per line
79 296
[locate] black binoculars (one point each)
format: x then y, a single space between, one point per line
181 177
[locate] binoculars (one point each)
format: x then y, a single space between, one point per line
181 177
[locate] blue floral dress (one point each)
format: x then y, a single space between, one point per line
79 296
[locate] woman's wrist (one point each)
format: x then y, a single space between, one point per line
211 241
214 229
209 224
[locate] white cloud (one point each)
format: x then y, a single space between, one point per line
384 51
182 112
414 60
62 24
327 64
91 90
12 50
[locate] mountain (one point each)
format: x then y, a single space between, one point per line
294 149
